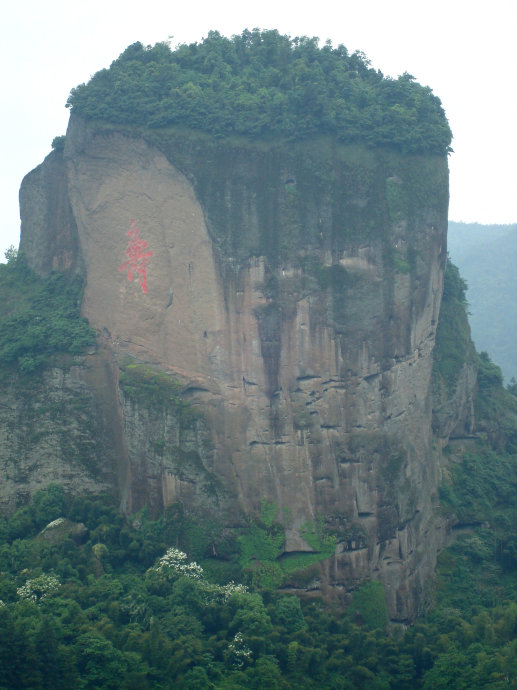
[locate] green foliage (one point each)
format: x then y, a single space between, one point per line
268 512
400 264
149 386
47 505
481 490
496 407
512 387
39 317
489 374
396 198
288 613
11 254
471 631
263 85
316 536
58 143
108 625
260 545
369 605
156 390
453 346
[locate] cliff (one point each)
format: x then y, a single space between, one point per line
266 316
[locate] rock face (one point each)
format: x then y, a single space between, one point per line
294 292
50 240
61 529
53 430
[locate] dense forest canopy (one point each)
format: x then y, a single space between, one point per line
263 85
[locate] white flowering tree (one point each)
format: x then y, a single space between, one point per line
39 588
174 564
238 653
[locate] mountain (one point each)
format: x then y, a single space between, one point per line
486 256
265 305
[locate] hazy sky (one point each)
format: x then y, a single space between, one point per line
465 51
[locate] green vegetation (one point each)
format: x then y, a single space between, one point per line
263 85
478 573
39 317
288 200
369 604
496 407
400 264
120 608
154 389
453 348
175 602
262 559
58 143
260 548
123 606
318 538
396 198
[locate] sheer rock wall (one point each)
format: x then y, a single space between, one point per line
294 291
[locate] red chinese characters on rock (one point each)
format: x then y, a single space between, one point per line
136 265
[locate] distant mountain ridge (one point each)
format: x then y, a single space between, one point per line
487 258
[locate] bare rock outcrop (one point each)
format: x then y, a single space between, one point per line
294 291
54 430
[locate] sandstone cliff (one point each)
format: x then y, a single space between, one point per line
285 298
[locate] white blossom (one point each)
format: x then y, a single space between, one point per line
239 650
175 561
38 588
233 587
222 593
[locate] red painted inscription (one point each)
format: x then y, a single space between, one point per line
138 257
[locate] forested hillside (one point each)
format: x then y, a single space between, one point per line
263 85
117 607
91 599
487 256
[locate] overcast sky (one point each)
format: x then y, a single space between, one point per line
465 51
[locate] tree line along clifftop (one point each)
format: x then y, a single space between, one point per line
262 85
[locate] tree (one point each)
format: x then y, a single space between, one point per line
262 85
57 673
288 613
11 254
100 664
12 651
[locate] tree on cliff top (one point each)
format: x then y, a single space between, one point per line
263 85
